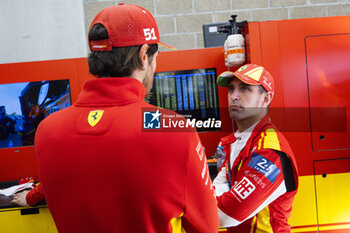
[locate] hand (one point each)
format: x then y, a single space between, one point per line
20 198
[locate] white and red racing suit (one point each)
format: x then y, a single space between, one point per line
258 180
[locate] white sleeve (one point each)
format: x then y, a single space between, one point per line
220 182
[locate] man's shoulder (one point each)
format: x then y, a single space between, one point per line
268 137
163 111
54 118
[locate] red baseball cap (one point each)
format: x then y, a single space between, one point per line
127 25
250 74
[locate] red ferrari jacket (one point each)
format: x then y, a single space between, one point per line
101 172
257 188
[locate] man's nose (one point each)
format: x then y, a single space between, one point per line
234 95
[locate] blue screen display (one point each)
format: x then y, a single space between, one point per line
24 105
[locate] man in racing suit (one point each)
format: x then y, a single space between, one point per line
258 180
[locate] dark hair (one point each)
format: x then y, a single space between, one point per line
120 62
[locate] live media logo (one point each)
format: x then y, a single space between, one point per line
173 121
151 120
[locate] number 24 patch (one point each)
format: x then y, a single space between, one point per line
264 166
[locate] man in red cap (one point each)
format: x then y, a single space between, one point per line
100 171
258 180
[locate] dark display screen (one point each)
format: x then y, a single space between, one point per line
192 93
24 105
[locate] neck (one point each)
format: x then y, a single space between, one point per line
246 123
138 74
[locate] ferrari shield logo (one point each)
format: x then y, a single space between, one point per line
94 117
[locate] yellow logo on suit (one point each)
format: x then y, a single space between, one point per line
94 117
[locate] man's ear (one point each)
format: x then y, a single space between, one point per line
267 98
143 55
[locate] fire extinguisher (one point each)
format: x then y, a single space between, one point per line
234 44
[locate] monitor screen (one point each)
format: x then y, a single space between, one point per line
24 105
191 93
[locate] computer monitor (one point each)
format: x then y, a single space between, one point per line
191 93
24 105
52 85
198 61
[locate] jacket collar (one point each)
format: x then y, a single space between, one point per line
111 91
262 123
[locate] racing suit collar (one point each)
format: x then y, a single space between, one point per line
111 91
227 140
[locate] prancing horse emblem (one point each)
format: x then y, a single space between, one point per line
94 117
